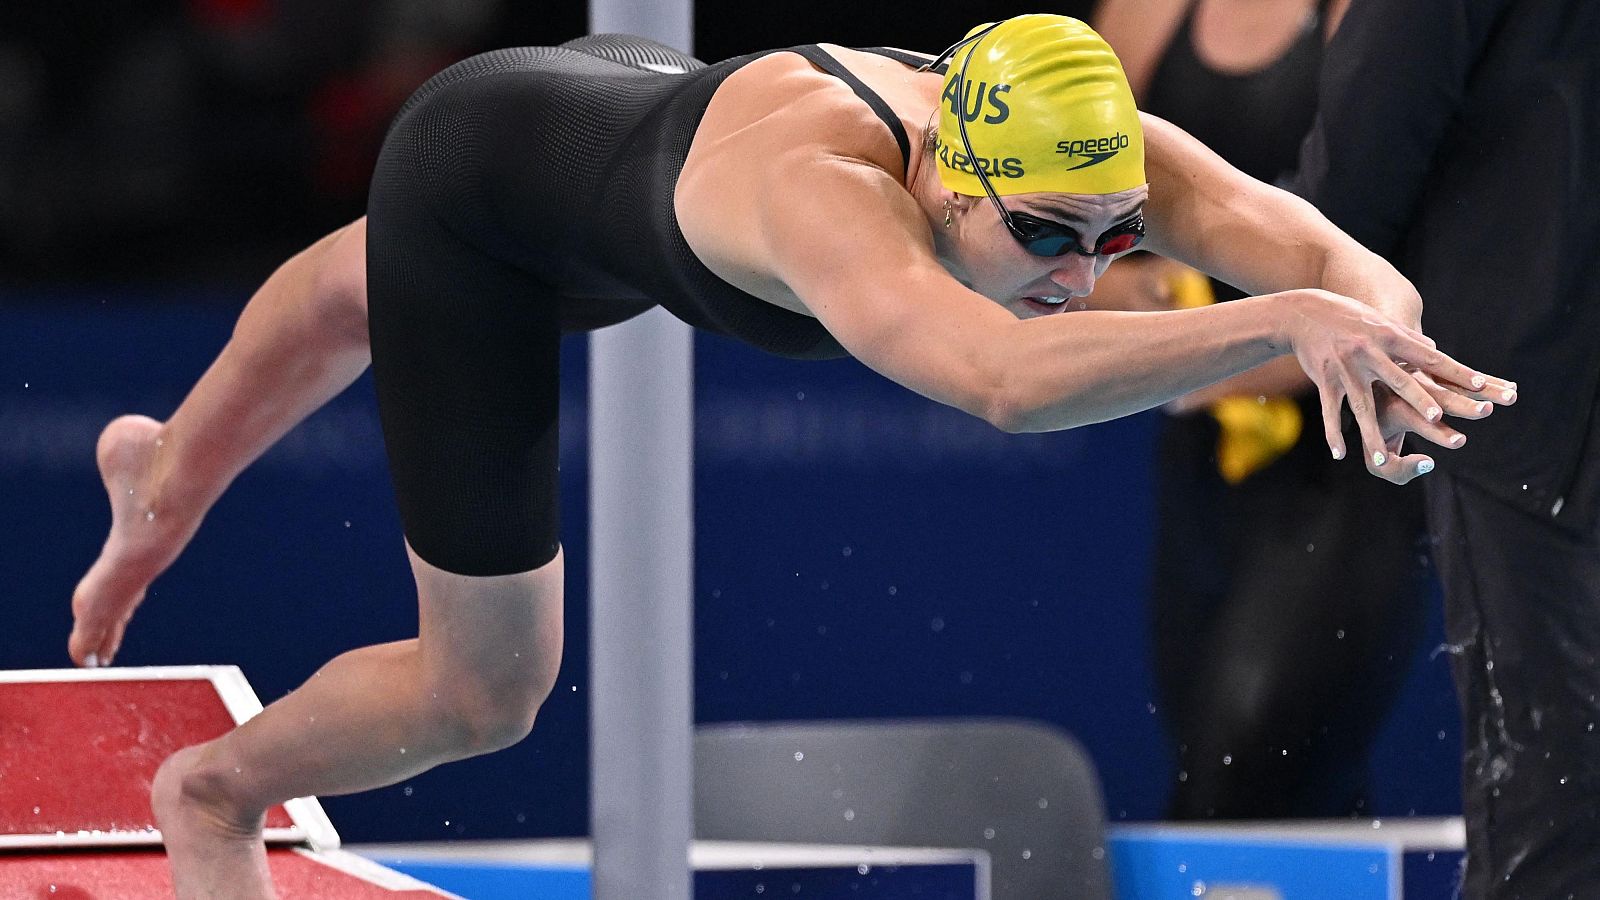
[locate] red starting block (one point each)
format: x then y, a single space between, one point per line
78 750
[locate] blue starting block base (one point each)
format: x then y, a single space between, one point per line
559 870
1391 859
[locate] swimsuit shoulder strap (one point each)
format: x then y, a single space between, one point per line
822 60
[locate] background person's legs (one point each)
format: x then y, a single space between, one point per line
1522 616
300 341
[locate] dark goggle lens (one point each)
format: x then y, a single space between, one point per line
1042 238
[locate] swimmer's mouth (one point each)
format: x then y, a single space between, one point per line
1046 305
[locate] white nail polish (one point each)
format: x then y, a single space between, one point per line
1458 440
1378 457
1508 396
1434 413
1337 453
1425 467
92 661
1478 382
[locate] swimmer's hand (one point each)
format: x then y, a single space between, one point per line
1394 378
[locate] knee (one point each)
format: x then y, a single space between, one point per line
483 714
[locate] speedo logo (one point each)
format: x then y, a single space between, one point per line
1098 150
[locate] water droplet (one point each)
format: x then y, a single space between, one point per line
402 753
799 755
347 523
1027 854
447 821
1372 869
838 794
761 889
1183 776
936 624
1563 779
408 790
237 770
149 515
1339 634
1043 803
574 689
521 818
893 590
1099 853
1311 548
849 815
988 834
1150 708
1431 855
1441 735
36 810
1199 889
799 395
863 869
966 677
847 551
1227 760
1377 823
1183 867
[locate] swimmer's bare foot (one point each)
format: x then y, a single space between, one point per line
148 531
212 853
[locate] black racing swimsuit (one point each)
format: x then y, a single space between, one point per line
520 194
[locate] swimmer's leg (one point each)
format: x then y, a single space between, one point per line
301 340
485 660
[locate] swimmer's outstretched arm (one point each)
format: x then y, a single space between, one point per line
301 339
874 280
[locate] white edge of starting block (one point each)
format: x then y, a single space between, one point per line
311 823
367 870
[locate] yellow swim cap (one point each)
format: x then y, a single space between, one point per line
1046 107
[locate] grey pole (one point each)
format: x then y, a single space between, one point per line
641 531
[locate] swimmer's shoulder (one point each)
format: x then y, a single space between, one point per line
782 98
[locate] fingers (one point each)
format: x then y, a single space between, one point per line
1331 393
1454 404
1408 388
1456 377
1384 459
1400 418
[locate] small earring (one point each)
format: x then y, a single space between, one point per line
947 213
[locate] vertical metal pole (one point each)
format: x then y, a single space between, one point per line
641 545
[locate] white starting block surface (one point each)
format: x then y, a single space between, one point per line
78 750
560 870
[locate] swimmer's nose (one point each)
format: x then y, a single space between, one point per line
1075 273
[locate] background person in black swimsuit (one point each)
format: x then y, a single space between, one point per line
1288 596
803 201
